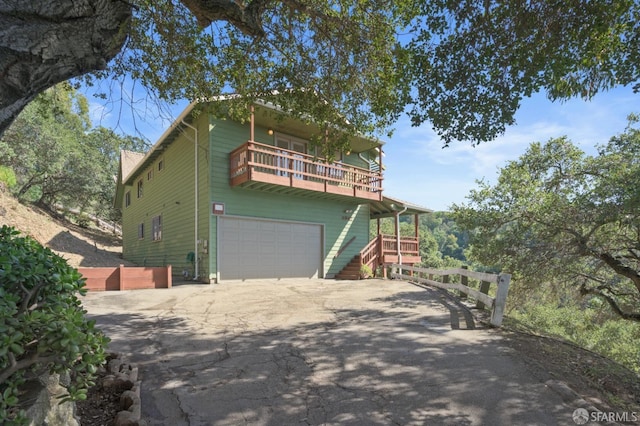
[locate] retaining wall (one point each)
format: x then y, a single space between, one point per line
126 278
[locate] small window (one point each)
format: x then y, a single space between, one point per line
140 231
161 164
140 188
127 199
150 174
156 228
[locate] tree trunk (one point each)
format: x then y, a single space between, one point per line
44 42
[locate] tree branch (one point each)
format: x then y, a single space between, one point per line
620 268
632 316
23 364
247 19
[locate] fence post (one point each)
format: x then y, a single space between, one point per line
484 288
465 282
501 299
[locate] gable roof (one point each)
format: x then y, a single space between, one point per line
128 162
265 114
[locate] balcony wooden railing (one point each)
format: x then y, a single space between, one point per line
253 162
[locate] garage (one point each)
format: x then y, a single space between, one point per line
251 248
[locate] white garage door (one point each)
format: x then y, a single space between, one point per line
250 248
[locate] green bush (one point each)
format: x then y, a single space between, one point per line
614 338
7 177
366 272
42 324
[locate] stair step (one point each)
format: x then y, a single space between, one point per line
347 277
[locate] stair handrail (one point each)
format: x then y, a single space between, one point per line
370 255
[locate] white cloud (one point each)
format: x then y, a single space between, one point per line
421 171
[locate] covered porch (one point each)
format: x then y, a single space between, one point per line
384 250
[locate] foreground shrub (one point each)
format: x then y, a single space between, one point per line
42 324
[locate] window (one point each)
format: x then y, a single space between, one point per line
140 188
161 164
156 228
140 231
150 174
127 199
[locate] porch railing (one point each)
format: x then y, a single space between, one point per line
408 245
370 255
373 254
253 161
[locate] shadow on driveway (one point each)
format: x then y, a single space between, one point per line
325 353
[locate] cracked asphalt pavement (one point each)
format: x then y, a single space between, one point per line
319 352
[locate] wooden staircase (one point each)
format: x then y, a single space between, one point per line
351 271
382 250
370 256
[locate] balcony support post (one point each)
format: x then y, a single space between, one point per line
252 127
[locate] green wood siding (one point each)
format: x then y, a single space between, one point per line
170 193
339 226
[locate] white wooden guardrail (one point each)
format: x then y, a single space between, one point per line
426 276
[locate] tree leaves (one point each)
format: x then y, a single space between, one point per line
58 157
42 322
558 215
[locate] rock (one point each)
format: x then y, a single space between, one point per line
126 418
127 399
114 365
46 408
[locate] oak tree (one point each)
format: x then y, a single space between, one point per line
463 66
557 216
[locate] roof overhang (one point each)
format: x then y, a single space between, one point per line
389 207
266 114
165 140
271 116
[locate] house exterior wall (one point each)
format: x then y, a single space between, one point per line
170 193
342 220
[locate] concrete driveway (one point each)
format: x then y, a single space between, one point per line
319 352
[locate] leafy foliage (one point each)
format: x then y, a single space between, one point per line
473 62
588 328
462 66
42 323
559 216
7 177
58 157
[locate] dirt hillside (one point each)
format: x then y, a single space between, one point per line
80 246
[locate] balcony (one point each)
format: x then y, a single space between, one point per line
269 168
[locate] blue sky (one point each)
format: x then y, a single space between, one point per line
418 169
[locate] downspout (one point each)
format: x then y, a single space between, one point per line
398 213
195 227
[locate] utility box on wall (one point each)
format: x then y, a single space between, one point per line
217 208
